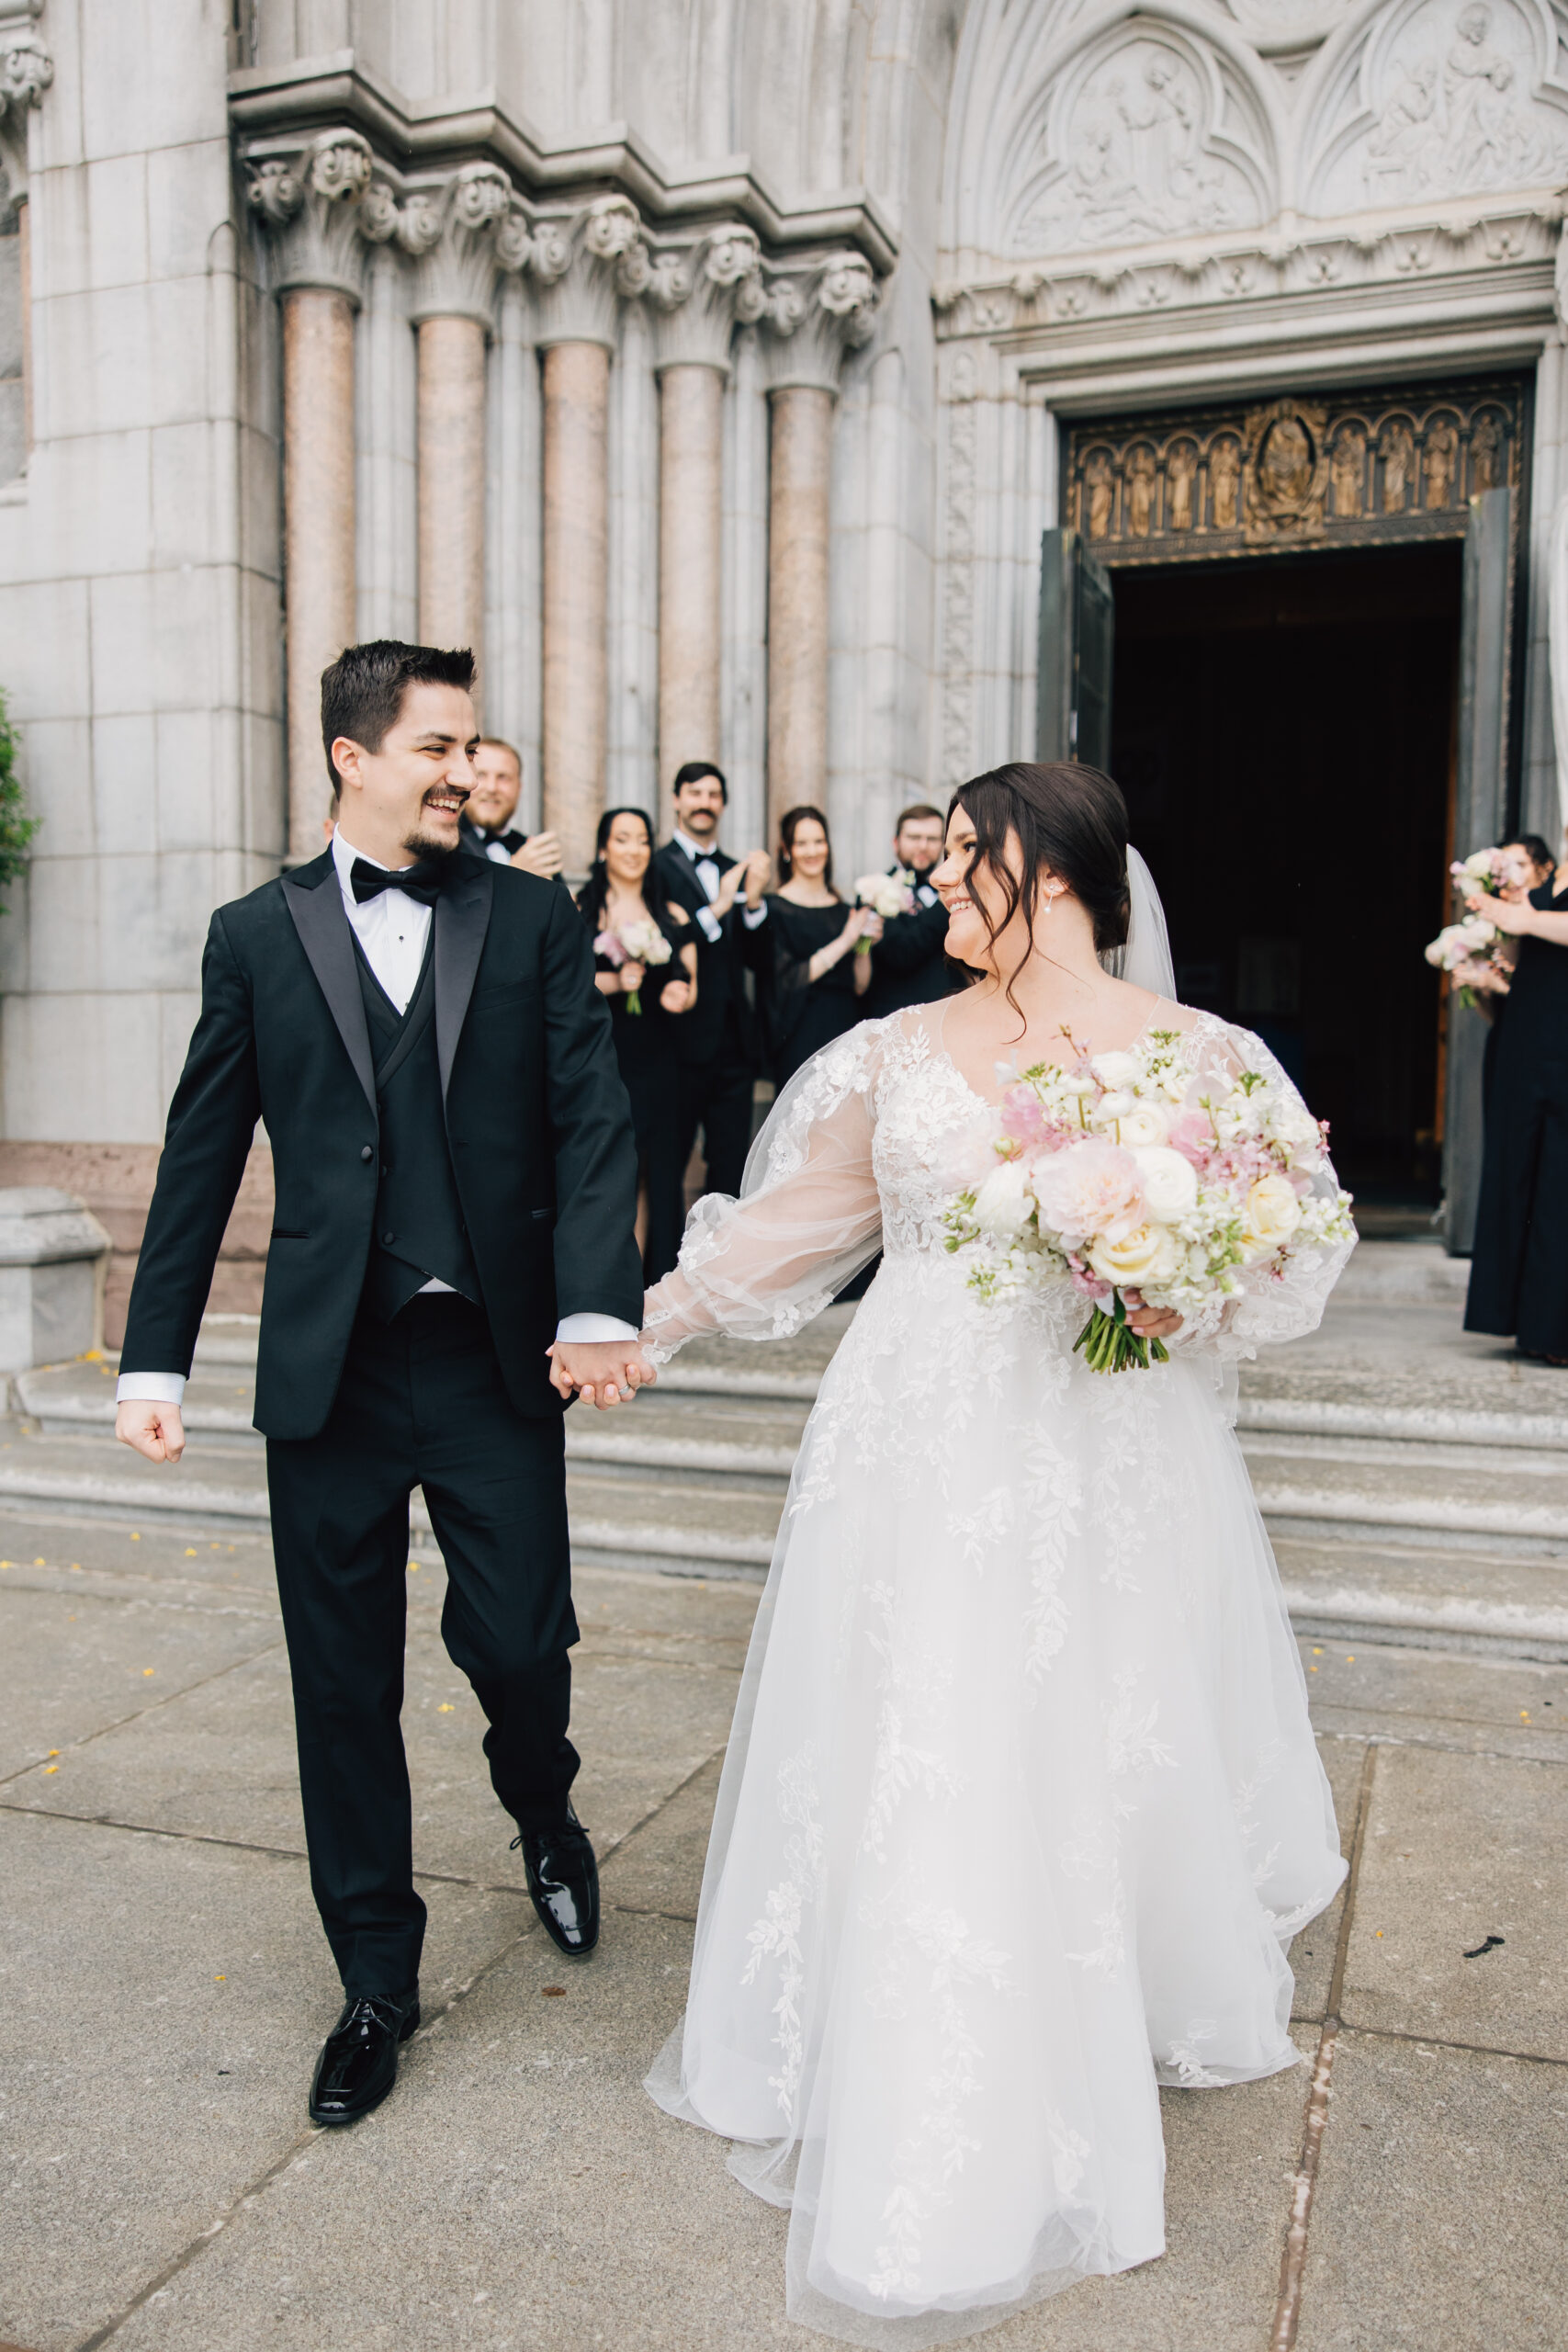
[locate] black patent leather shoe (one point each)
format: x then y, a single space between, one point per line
358 2063
563 1879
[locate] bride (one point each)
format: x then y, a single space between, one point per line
1021 1806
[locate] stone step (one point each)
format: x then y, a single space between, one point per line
1458 1500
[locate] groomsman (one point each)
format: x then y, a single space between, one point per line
719 1046
910 962
486 828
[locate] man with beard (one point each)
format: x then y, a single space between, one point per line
909 961
719 1047
453 1252
486 830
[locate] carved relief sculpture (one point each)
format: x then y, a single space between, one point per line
1285 470
1181 467
1099 481
1485 454
1349 471
1458 110
1442 464
1141 476
1396 448
1224 483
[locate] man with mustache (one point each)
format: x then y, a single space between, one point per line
452 1253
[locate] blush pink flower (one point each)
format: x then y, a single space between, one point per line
1088 1190
1192 1136
1023 1114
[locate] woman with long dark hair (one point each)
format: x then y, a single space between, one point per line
646 967
1021 1806
821 961
1518 1272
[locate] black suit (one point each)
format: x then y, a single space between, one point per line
908 963
719 1046
500 1085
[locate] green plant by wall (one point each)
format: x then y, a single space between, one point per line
16 828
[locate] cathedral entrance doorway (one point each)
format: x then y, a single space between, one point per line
1291 631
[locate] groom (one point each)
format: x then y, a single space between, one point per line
453 1252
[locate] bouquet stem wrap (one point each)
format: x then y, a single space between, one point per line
1110 1344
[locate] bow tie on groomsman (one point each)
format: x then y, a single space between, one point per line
425 880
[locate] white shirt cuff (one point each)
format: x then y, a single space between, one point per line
150 1388
713 930
594 1326
752 916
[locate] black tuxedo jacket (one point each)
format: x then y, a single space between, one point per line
537 1122
909 964
721 1029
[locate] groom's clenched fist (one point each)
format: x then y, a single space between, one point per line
602 1372
153 1429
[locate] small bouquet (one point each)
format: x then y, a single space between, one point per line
635 942
1473 949
1124 1173
887 894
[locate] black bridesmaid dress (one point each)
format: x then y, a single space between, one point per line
1519 1273
644 1049
803 1015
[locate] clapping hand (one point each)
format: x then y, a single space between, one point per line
675 996
540 854
604 1373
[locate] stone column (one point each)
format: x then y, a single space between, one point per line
461 233
583 265
27 71
696 302
812 319
311 202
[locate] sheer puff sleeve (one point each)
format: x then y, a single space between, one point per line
1270 1308
808 1217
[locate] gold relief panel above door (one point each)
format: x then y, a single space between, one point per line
1331 469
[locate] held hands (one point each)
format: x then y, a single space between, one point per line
1150 1322
602 1372
153 1429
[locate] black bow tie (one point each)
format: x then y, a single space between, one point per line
422 881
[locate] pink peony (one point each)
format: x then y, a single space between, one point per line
1192 1136
1023 1114
1088 1189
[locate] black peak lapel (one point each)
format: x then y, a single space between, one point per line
324 934
462 918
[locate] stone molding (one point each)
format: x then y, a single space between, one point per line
27 71
314 203
814 316
700 293
461 233
1337 259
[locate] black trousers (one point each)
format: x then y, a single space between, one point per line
421 1402
718 1099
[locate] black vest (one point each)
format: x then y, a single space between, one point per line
419 1229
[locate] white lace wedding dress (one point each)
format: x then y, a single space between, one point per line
1021 1806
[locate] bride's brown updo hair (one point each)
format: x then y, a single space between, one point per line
1069 820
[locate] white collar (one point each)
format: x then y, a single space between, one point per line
344 855
698 856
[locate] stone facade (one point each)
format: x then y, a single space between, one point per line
704 361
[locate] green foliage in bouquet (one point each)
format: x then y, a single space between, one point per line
16 828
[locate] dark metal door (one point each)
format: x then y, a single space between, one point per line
1481 801
1077 628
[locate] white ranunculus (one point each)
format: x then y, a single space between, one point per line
1271 1214
1170 1182
1145 1123
1003 1204
1116 1070
1148 1253
1111 1107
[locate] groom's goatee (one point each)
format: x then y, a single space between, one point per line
434 853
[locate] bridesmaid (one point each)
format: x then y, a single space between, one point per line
817 978
1519 1274
623 891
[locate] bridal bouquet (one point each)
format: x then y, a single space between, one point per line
635 942
1131 1176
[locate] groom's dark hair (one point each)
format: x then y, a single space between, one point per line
362 691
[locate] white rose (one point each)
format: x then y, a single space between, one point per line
1170 1182
1003 1205
1291 1124
1116 1070
1146 1254
1271 1215
1143 1125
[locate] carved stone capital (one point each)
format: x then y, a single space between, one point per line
26 69
460 231
814 316
313 204
584 264
699 293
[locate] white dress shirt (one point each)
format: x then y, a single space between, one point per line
393 930
708 875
